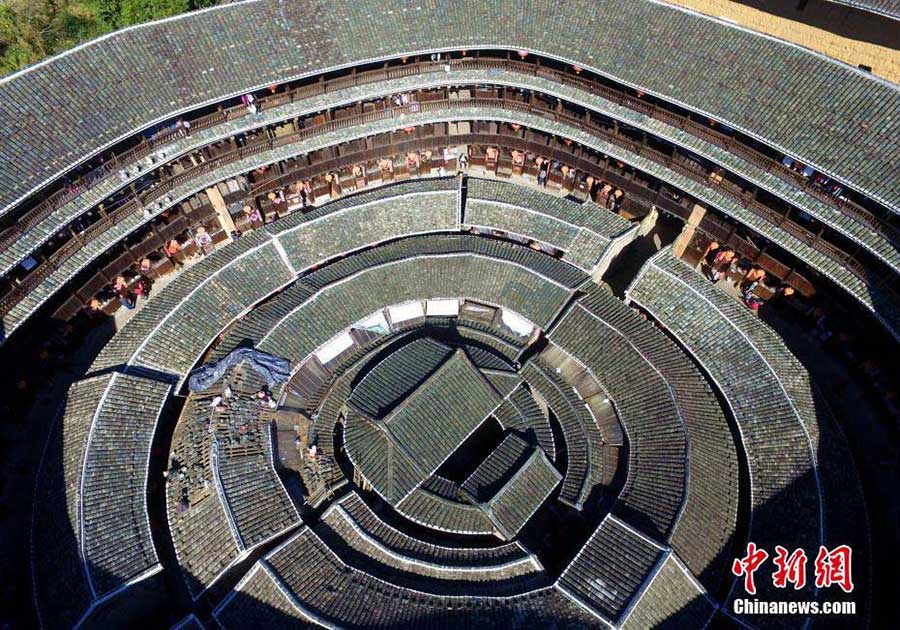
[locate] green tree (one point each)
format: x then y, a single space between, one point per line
122 13
33 29
28 30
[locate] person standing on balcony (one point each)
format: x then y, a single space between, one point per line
126 297
203 240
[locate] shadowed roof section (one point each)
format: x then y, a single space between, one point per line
517 501
612 568
397 375
497 468
108 89
887 8
379 460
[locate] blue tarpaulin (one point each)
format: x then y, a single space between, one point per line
273 369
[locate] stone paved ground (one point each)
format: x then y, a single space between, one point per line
884 61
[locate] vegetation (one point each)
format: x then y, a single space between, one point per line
31 30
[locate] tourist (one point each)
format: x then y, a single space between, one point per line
298 193
126 297
184 126
752 280
359 174
752 302
253 216
142 287
782 295
711 247
603 194
543 171
722 259
203 240
173 252
614 201
248 100
264 398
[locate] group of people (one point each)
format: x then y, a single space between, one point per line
202 239
131 285
718 260
264 398
605 194
602 193
128 291
546 167
820 181
253 215
301 191
183 125
404 99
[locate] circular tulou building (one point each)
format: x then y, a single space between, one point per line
463 314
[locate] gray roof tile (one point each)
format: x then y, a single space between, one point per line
198 43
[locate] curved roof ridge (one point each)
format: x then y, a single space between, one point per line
851 150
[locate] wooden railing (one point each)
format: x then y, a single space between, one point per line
116 162
260 145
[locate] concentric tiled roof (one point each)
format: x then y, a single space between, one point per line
389 521
497 468
397 375
614 565
776 411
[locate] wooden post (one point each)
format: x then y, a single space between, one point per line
218 203
687 232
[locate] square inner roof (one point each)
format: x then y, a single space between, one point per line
442 412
